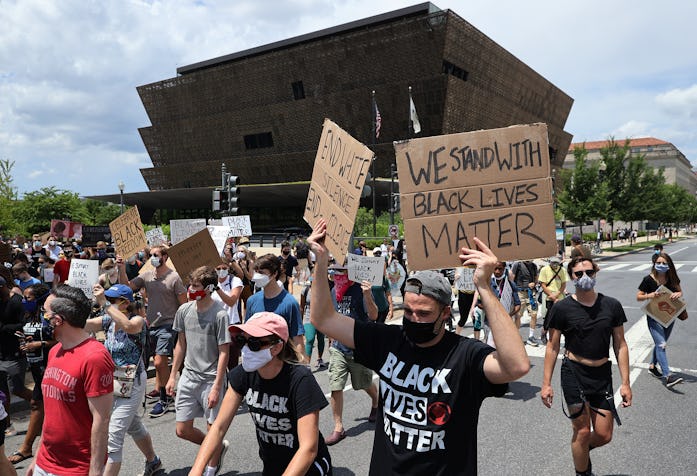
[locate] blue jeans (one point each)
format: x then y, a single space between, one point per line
660 337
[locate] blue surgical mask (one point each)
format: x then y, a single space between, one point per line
584 283
661 267
657 252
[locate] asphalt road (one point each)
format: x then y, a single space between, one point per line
517 434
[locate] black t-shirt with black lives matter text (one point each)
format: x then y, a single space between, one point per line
429 401
275 406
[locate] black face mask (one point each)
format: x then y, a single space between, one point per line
421 332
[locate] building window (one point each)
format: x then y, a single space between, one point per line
298 90
449 68
258 141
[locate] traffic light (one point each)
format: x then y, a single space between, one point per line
220 200
233 193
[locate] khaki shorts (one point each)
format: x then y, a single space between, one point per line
341 365
192 399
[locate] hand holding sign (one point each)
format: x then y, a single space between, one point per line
484 260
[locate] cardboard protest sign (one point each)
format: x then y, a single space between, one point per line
662 308
493 184
155 237
83 274
180 230
197 250
240 225
219 235
127 232
341 166
366 268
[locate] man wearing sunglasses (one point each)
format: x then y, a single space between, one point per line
77 389
587 320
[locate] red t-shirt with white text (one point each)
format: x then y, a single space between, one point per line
72 376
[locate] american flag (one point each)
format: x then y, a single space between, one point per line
378 120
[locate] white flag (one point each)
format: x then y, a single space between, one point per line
413 116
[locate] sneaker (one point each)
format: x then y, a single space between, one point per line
154 395
152 467
653 370
543 339
532 341
159 409
226 445
10 430
672 380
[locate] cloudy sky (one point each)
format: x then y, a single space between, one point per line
69 110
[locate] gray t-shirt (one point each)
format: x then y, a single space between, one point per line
163 294
204 332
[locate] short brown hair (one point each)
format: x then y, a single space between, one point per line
580 259
269 262
205 275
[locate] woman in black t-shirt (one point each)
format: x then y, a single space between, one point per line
664 274
283 398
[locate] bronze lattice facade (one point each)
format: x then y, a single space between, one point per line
260 111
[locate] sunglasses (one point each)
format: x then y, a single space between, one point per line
589 272
255 343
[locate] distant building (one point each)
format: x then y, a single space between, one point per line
260 111
676 168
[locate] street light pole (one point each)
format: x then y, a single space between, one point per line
122 187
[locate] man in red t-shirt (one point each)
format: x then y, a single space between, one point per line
61 269
78 391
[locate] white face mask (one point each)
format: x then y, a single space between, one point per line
222 273
261 280
51 243
252 361
239 255
155 261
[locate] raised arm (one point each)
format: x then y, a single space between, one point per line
322 313
510 361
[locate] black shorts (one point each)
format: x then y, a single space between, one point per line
581 383
4 423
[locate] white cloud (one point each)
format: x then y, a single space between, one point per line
681 101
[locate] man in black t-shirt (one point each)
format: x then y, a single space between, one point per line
289 263
432 382
587 320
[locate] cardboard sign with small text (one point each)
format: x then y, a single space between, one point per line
366 268
197 250
155 237
493 184
341 166
662 308
127 233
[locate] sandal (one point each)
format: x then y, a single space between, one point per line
18 457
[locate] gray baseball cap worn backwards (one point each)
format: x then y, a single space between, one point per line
430 283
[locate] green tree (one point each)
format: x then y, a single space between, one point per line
36 210
8 199
642 187
100 213
583 195
364 223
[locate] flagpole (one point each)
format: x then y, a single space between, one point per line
372 165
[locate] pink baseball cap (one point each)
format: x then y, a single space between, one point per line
263 324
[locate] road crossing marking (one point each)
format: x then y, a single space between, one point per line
642 267
615 267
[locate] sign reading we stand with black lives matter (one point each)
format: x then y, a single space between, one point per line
493 184
341 167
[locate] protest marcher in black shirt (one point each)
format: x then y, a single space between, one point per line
432 382
283 398
587 321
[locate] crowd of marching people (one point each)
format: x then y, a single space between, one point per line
243 332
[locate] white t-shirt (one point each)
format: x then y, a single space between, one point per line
230 283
